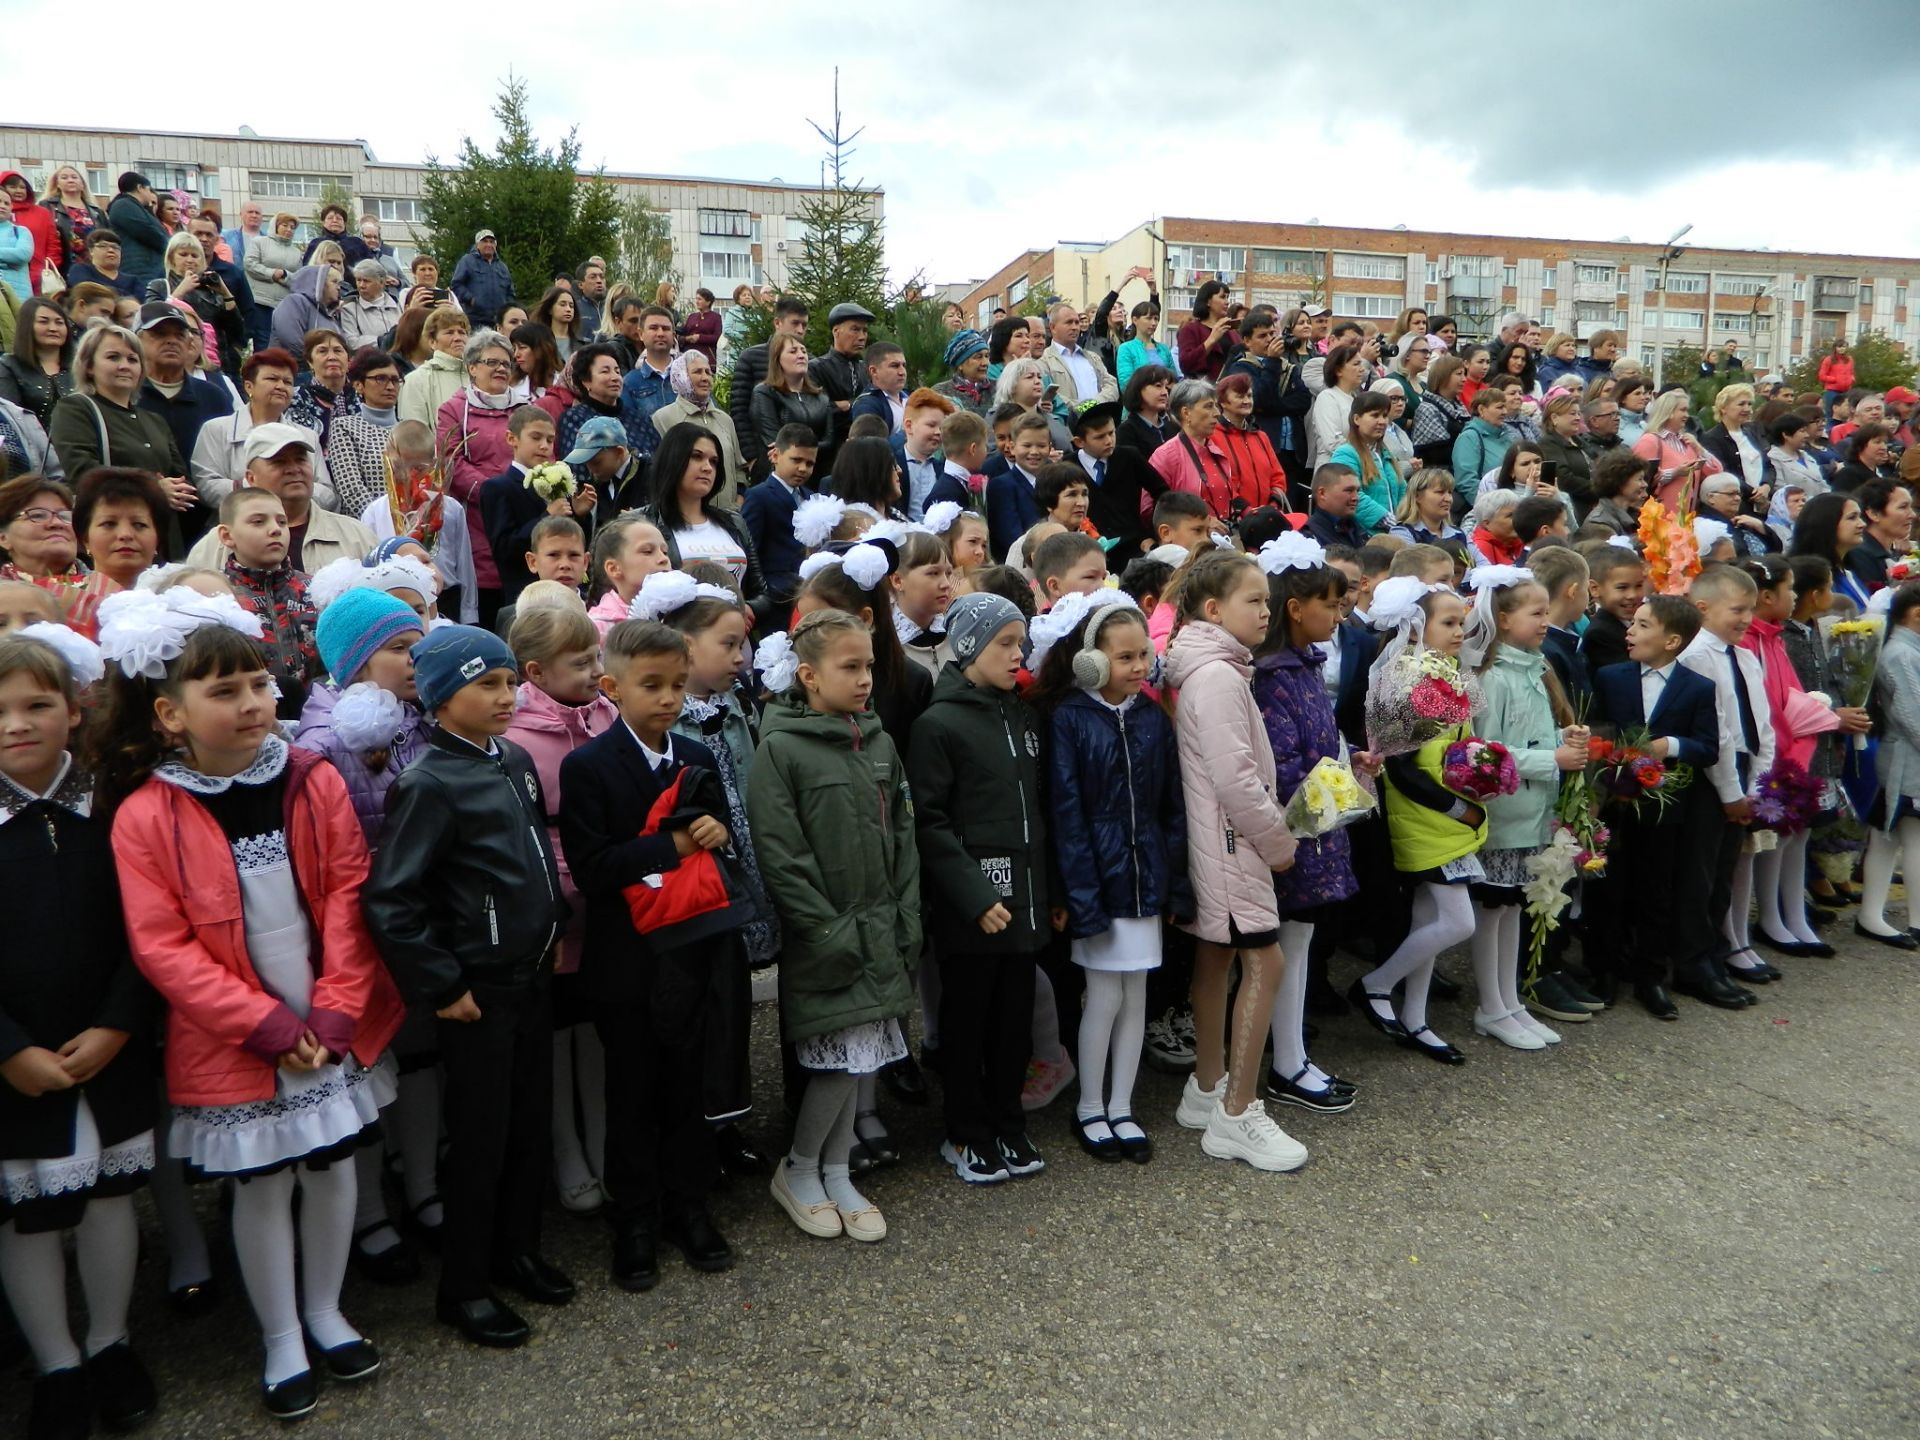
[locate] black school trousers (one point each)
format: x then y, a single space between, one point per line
986 1029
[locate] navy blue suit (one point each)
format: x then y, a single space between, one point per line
1562 649
874 402
767 509
1664 860
1358 646
1012 510
947 487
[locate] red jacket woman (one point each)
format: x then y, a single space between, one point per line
181 893
1836 374
1257 476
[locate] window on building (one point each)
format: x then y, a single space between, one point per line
738 223
1686 282
1595 275
1899 297
1370 267
983 313
280 185
726 267
1675 319
1799 331
99 186
1866 292
407 211
1734 324
172 177
1433 272
1510 276
1017 292
1546 317
1550 278
1196 260
1471 267
1177 301
1898 330
1593 310
1367 307
1740 284
1799 289
1284 262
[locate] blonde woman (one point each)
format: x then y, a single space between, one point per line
1559 359
1424 515
443 375
187 279
74 213
1683 460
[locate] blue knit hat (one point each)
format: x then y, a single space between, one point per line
964 345
452 658
353 627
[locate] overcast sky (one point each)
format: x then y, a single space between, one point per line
1785 123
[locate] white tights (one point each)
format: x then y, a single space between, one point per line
263 1241
1734 923
1496 958
1780 885
33 1270
1290 1010
1442 917
1113 1022
1876 877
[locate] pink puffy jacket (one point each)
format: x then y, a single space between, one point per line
1235 831
549 731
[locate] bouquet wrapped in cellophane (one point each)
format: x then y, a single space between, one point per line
1853 655
1419 696
1329 799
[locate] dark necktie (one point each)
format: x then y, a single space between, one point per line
1749 732
1099 472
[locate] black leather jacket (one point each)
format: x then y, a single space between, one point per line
463 889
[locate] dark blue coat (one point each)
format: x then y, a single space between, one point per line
874 402
1687 712
948 486
1562 649
1291 693
1012 510
767 508
508 513
1358 646
1119 817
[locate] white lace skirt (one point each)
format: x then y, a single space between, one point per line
857 1050
24 1181
311 1111
1129 943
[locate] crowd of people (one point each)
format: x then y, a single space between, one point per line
420 716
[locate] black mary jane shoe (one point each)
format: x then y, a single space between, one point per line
1291 1092
398 1264
354 1361
121 1390
190 1302
1107 1148
1362 1001
62 1407
427 1235
904 1081
1900 941
294 1398
1440 1050
1138 1151
880 1146
1783 947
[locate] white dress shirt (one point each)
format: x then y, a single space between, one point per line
1707 655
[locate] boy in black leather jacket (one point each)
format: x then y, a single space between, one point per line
465 904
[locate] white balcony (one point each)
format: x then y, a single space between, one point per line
1606 290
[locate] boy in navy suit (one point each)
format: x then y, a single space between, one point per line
767 508
1564 574
1012 508
963 450
1616 583
1663 858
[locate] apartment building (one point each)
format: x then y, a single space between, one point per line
1779 305
725 232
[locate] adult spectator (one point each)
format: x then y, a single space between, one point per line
1076 372
24 445
750 368
841 373
335 225
590 294
171 388
357 444
1516 359
596 372
371 311
1559 359
143 239
38 546
1345 372
559 311
75 216
312 303
431 385
100 424
219 459
1721 499
205 227
88 302
701 329
625 310
1864 407
1560 447
537 366
188 280
1407 368
1740 446
270 263
1481 446
1832 526
1143 347
1024 383
472 430
119 516
1382 486
1442 414
691 377
482 283
733 323
1887 507
1601 433
43 249
1603 348
1336 496
374 244
1007 341
1257 475
424 275
1205 342
38 370
279 459
1194 460
1147 426
646 387
966 384
103 266
600 458
1619 490
667 296
1512 331
1902 404
1682 458
1790 437
1869 457
243 235
683 501
788 396
324 394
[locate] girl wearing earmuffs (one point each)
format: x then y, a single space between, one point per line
1118 818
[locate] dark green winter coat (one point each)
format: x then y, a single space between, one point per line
833 828
977 802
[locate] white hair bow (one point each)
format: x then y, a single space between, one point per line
81 654
141 631
775 660
1050 629
1291 551
666 591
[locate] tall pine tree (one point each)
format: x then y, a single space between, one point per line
842 254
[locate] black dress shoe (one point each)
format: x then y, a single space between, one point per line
193 1301
533 1277
62 1407
739 1156
1443 988
1363 1002
697 1238
1604 985
120 1387
1901 941
294 1398
1715 992
636 1258
398 1264
1434 1048
355 1360
1657 1000
484 1321
904 1080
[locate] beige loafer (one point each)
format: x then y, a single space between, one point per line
822 1220
868 1224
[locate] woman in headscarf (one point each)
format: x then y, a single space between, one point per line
691 376
966 384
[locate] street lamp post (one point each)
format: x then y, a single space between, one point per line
1672 253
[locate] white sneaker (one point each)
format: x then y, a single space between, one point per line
1508 1030
1253 1137
1546 1032
1197 1106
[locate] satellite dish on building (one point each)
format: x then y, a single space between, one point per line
247 132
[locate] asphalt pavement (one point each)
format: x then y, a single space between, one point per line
1696 1230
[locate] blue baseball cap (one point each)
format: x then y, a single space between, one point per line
603 432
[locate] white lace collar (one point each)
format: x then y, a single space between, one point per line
267 767
72 789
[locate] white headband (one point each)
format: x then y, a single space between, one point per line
1050 629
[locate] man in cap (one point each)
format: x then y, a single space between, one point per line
171 389
143 239
279 458
841 373
481 281
1320 319
603 458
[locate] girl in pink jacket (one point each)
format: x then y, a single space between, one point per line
560 709
1237 838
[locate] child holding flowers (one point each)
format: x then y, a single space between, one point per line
1895 817
1523 708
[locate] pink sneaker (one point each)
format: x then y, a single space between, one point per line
1046 1079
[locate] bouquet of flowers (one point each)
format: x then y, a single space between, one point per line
1624 771
415 503
1424 695
1672 553
1550 871
1853 654
1479 769
1329 799
1904 569
1787 799
551 481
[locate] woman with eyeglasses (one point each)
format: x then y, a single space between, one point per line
1408 368
473 435
36 535
99 424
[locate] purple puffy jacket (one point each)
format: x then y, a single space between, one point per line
367 787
